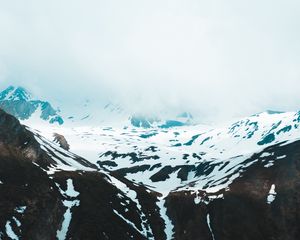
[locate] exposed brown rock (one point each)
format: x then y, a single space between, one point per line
61 140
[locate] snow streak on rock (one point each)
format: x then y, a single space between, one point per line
147 231
209 226
69 194
169 227
272 194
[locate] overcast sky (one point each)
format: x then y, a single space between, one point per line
219 59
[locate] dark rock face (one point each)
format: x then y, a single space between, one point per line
189 219
278 220
95 218
32 204
244 212
24 184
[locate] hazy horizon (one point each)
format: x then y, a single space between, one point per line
215 59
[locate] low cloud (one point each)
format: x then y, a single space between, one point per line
218 60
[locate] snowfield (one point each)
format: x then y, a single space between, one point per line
172 159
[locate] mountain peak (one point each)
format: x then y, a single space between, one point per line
19 102
15 94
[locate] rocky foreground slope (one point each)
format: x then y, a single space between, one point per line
47 192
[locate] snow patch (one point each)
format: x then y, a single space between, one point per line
265 154
272 194
70 189
169 227
9 231
62 233
269 164
69 193
20 209
17 221
209 226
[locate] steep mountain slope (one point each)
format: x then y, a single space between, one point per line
142 178
263 203
19 102
49 193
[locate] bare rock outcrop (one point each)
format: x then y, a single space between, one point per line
61 140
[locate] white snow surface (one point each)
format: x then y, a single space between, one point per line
224 148
272 194
70 189
9 231
209 226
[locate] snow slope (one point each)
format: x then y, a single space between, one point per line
187 157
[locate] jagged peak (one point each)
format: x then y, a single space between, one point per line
20 103
13 93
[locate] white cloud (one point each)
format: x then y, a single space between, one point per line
216 58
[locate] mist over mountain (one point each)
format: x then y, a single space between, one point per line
149 120
146 178
217 60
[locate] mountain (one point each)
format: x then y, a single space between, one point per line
20 103
50 193
128 176
47 192
182 119
166 159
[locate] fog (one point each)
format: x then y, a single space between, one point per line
217 59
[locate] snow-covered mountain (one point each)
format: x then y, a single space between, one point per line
47 192
20 103
155 178
166 155
167 159
182 119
